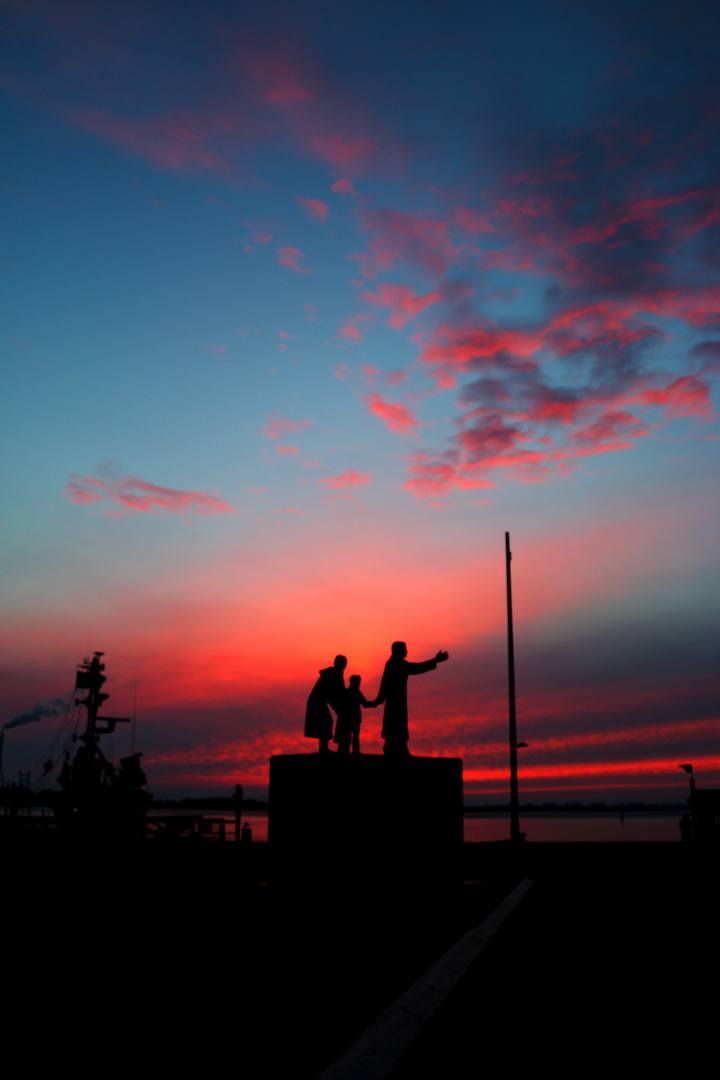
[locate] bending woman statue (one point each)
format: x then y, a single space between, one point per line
328 690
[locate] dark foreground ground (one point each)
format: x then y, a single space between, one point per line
173 961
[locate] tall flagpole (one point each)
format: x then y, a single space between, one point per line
514 801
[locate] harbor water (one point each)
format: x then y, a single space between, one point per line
559 826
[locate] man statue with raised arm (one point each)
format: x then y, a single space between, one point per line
393 691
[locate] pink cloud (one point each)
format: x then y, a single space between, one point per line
131 493
350 330
343 187
347 478
611 429
288 95
285 451
340 370
473 221
316 209
394 378
290 257
455 344
182 142
342 150
277 426
404 303
423 240
278 76
430 477
396 418
686 396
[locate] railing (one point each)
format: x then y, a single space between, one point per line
198 828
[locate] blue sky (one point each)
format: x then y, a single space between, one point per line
302 310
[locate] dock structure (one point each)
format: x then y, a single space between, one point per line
366 817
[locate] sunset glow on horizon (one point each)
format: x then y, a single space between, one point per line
304 308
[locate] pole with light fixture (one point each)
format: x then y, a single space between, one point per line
515 833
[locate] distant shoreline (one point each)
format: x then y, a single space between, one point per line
260 805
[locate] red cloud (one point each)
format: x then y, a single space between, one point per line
277 426
130 493
611 430
316 209
180 142
288 95
473 221
278 77
348 478
351 330
290 257
430 477
341 150
455 345
284 451
421 239
396 418
405 304
686 396
343 187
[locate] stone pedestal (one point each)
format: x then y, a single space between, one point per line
365 817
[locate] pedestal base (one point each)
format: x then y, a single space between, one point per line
365 817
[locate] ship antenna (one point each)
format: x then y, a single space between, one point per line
134 716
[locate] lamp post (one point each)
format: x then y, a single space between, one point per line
687 768
515 833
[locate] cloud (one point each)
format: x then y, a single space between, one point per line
343 187
430 476
290 257
133 494
183 142
347 478
341 149
316 209
285 451
350 330
277 426
685 396
420 240
261 238
396 417
405 305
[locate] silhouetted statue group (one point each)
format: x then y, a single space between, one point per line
348 702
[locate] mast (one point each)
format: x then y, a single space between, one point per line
514 801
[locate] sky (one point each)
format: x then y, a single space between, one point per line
303 307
